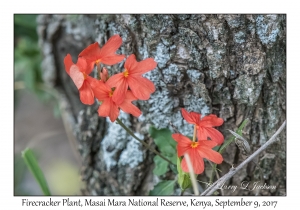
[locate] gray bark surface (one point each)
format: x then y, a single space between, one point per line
233 66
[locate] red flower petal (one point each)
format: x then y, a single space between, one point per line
196 160
177 137
68 63
82 65
104 108
210 154
143 67
114 112
91 52
130 96
118 81
206 143
100 89
211 121
115 80
184 143
192 117
109 109
130 63
213 134
128 107
91 55
77 76
86 94
202 134
105 55
140 87
110 47
111 60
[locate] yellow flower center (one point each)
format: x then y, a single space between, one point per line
97 61
84 75
194 144
125 73
110 94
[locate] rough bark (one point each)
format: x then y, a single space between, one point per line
233 66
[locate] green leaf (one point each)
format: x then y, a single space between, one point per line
36 171
174 169
184 179
25 25
164 188
164 141
161 166
180 172
27 21
167 146
162 134
173 158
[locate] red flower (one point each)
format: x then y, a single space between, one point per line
196 151
205 125
132 77
79 73
94 54
104 93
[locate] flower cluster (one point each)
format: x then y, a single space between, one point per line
197 150
118 91
115 92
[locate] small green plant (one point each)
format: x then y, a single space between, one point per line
35 169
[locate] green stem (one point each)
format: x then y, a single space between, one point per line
142 142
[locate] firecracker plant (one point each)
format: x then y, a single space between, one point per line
117 92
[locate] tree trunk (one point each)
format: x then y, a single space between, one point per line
233 66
